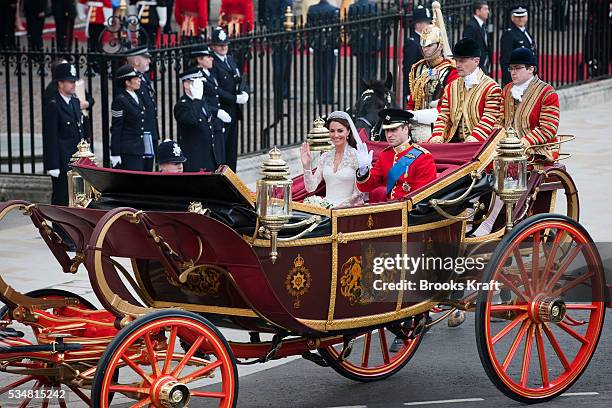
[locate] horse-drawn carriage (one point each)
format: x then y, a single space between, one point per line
171 257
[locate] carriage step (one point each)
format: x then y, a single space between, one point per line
315 358
54 347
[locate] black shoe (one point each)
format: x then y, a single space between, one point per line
396 345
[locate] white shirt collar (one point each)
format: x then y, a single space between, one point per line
522 28
207 72
221 57
66 98
472 79
133 95
480 21
519 90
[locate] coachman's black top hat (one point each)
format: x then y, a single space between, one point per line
65 72
466 48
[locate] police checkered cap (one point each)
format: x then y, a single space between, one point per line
191 74
519 11
125 72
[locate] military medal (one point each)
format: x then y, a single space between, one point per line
406 187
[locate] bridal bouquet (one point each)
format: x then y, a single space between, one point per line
318 201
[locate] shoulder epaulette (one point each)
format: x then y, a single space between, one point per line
421 148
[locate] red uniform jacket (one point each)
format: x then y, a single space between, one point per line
237 12
191 15
421 172
95 13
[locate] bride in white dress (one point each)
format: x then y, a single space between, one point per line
337 166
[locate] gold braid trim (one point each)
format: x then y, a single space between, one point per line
421 85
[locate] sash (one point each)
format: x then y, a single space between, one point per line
401 167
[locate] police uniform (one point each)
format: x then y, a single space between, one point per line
399 169
511 39
230 84
62 131
412 47
195 129
147 93
128 125
152 14
323 43
532 108
467 115
64 13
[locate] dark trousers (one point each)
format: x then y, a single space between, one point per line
324 72
35 25
281 61
231 144
64 32
170 7
136 163
59 196
151 35
7 28
93 42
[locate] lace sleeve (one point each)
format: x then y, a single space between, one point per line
356 197
312 181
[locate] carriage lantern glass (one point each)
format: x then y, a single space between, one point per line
79 190
274 196
510 168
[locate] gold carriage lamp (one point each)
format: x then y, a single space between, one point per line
510 167
318 137
274 197
80 192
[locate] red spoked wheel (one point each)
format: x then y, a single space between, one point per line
552 296
372 356
154 371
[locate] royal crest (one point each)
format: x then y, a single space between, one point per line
204 281
298 280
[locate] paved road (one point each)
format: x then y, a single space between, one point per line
446 367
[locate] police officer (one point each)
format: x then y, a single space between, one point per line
170 157
325 48
203 56
64 13
62 130
195 129
152 15
140 59
229 78
515 37
421 18
131 145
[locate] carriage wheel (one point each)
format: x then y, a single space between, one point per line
52 391
554 276
154 371
564 200
371 358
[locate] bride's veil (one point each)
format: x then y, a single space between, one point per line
347 117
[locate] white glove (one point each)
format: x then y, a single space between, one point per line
115 161
364 158
53 173
81 11
162 13
242 98
336 52
108 13
197 89
311 50
425 116
224 116
434 104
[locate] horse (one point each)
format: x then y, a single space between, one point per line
377 95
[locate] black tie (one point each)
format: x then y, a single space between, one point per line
484 33
227 63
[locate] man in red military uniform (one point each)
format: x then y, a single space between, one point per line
98 13
469 108
530 105
236 15
402 167
191 16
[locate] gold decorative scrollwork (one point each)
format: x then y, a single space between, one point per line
204 280
298 280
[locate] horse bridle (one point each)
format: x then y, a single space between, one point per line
365 94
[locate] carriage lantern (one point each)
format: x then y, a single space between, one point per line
510 168
79 190
274 197
318 137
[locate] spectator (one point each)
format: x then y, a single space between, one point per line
476 29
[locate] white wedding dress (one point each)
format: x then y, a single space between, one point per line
340 185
